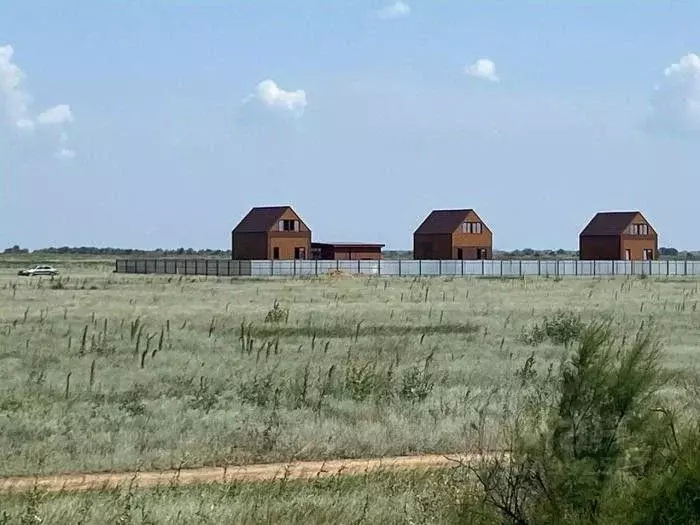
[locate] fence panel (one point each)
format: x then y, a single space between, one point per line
407 268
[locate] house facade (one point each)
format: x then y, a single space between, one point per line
346 251
618 236
453 234
271 232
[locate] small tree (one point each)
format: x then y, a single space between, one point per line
573 434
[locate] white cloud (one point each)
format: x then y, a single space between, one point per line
396 10
65 154
270 95
12 96
484 69
15 101
675 102
60 114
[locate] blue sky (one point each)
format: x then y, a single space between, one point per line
151 124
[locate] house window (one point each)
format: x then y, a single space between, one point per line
628 255
289 225
637 229
276 252
471 227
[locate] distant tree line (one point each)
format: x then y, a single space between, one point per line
526 253
120 252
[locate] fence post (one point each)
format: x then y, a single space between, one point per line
420 267
520 268
576 268
501 267
483 267
379 266
440 267
462 265
316 268
539 267
294 267
359 270
272 267
685 267
400 274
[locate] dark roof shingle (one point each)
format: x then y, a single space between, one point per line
609 223
442 221
260 219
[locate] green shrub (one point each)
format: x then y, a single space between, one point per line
416 384
277 314
562 329
258 390
360 381
573 438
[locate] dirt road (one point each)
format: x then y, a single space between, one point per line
247 473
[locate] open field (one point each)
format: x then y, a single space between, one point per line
110 372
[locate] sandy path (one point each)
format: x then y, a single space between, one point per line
247 473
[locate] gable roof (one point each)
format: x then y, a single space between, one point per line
261 219
610 223
443 221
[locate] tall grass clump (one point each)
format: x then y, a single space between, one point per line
592 442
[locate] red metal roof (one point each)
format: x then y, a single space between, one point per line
442 221
260 219
609 223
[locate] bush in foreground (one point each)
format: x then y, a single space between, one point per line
592 442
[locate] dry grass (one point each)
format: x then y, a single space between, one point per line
104 371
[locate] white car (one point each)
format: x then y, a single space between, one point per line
42 269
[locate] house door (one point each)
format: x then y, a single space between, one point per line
300 253
628 255
460 254
648 254
276 252
481 253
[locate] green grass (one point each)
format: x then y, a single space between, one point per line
106 371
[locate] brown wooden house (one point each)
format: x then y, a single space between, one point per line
453 234
618 235
271 232
346 251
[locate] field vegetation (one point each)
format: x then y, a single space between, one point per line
591 383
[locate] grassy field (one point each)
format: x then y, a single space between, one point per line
105 371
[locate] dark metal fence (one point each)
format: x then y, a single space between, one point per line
494 268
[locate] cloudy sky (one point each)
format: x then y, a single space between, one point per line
159 124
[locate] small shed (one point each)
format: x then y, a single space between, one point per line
346 251
618 235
